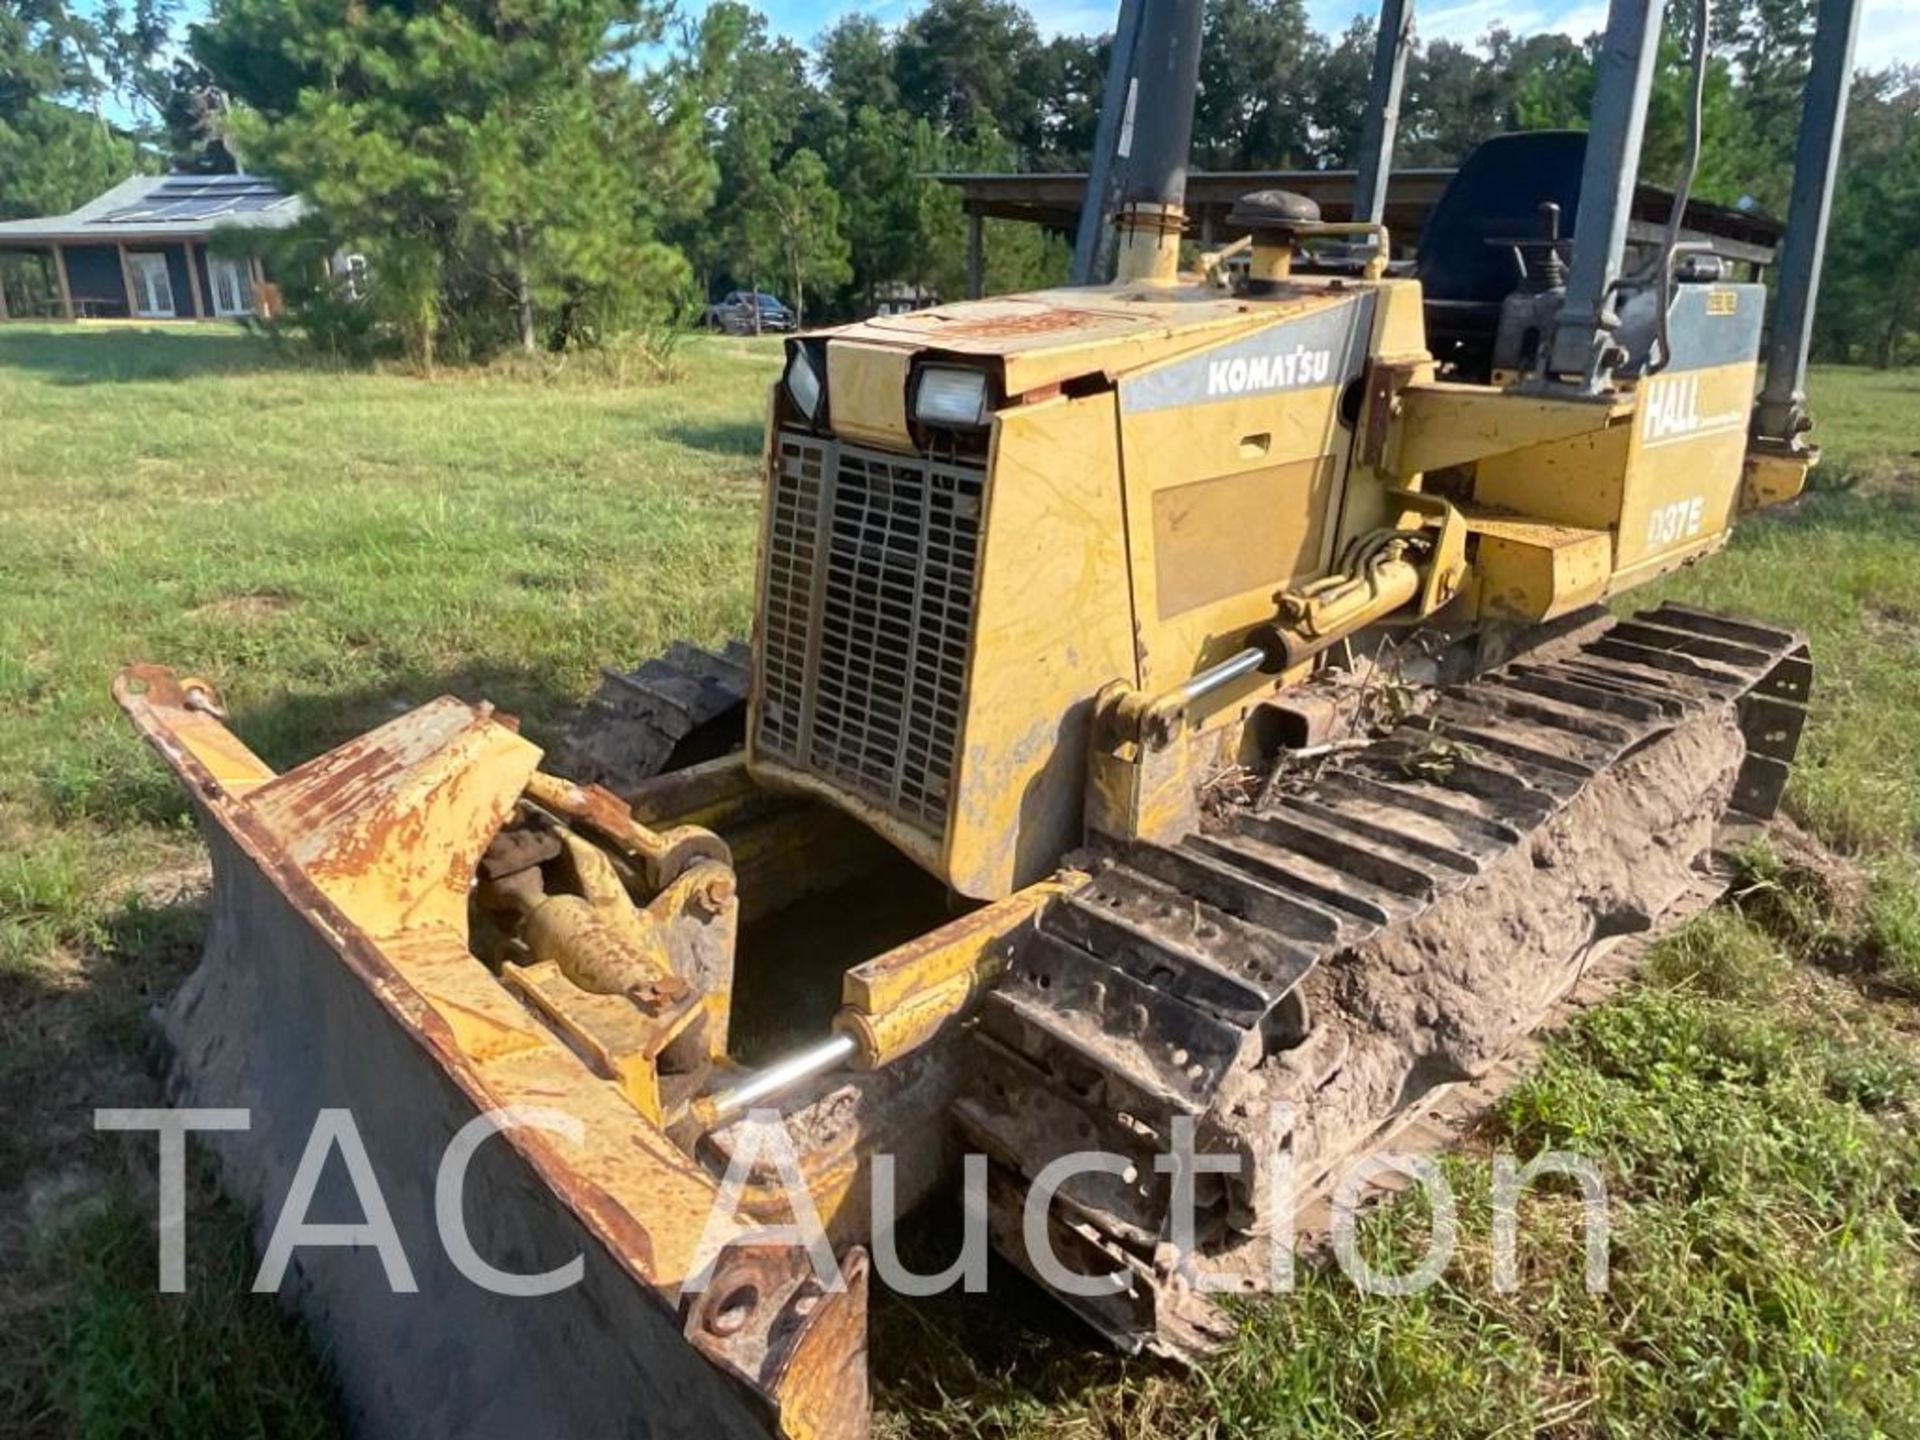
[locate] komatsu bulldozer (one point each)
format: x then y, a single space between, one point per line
1173 701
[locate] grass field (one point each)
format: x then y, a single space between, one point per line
334 546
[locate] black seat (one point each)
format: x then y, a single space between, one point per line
1495 194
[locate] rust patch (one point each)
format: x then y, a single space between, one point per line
1040 322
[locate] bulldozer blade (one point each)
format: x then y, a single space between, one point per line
337 993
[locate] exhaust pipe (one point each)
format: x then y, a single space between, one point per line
1158 147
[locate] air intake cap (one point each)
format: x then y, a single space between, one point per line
1267 212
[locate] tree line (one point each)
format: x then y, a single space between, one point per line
549 174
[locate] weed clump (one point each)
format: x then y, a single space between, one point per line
1721 954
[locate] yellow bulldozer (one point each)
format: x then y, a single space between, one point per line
1173 700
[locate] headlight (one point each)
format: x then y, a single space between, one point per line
804 386
951 397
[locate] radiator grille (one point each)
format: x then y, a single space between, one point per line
869 593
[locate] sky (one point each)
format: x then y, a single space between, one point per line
1889 29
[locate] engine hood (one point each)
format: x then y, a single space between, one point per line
1052 336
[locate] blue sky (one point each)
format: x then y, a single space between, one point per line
1890 29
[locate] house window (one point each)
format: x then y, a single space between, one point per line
232 286
152 288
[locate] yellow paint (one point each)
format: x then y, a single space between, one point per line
391 825
1228 503
1685 464
1399 321
1050 336
605 1028
1529 570
624 1177
1398 345
1053 623
867 388
895 1003
1148 252
1773 478
1220 537
1442 423
1134 548
1146 792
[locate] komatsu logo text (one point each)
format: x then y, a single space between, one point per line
1298 366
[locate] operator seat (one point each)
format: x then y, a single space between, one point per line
1496 194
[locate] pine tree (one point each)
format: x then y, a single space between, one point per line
491 161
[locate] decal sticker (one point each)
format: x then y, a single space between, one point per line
1325 346
1670 411
1298 366
1682 520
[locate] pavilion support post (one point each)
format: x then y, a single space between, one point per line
976 253
4 316
193 284
60 280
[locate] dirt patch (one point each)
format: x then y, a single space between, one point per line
248 607
1442 999
1894 620
1834 885
184 883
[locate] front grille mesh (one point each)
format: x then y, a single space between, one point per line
869 592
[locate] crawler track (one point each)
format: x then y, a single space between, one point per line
1145 995
676 709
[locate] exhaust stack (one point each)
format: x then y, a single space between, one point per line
1157 147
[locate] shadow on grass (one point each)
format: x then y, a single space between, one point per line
972 1359
736 439
124 356
120 781
292 727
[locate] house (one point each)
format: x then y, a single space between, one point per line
900 297
140 252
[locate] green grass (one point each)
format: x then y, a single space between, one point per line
332 546
1843 569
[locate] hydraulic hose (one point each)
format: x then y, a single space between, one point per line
1689 169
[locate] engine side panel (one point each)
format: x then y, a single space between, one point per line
1053 623
1236 460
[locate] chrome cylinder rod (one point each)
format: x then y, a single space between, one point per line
1225 673
783 1075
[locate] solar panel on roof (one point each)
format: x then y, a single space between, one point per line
195 197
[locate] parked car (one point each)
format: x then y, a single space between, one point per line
734 314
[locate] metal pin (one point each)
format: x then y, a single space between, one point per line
783 1075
